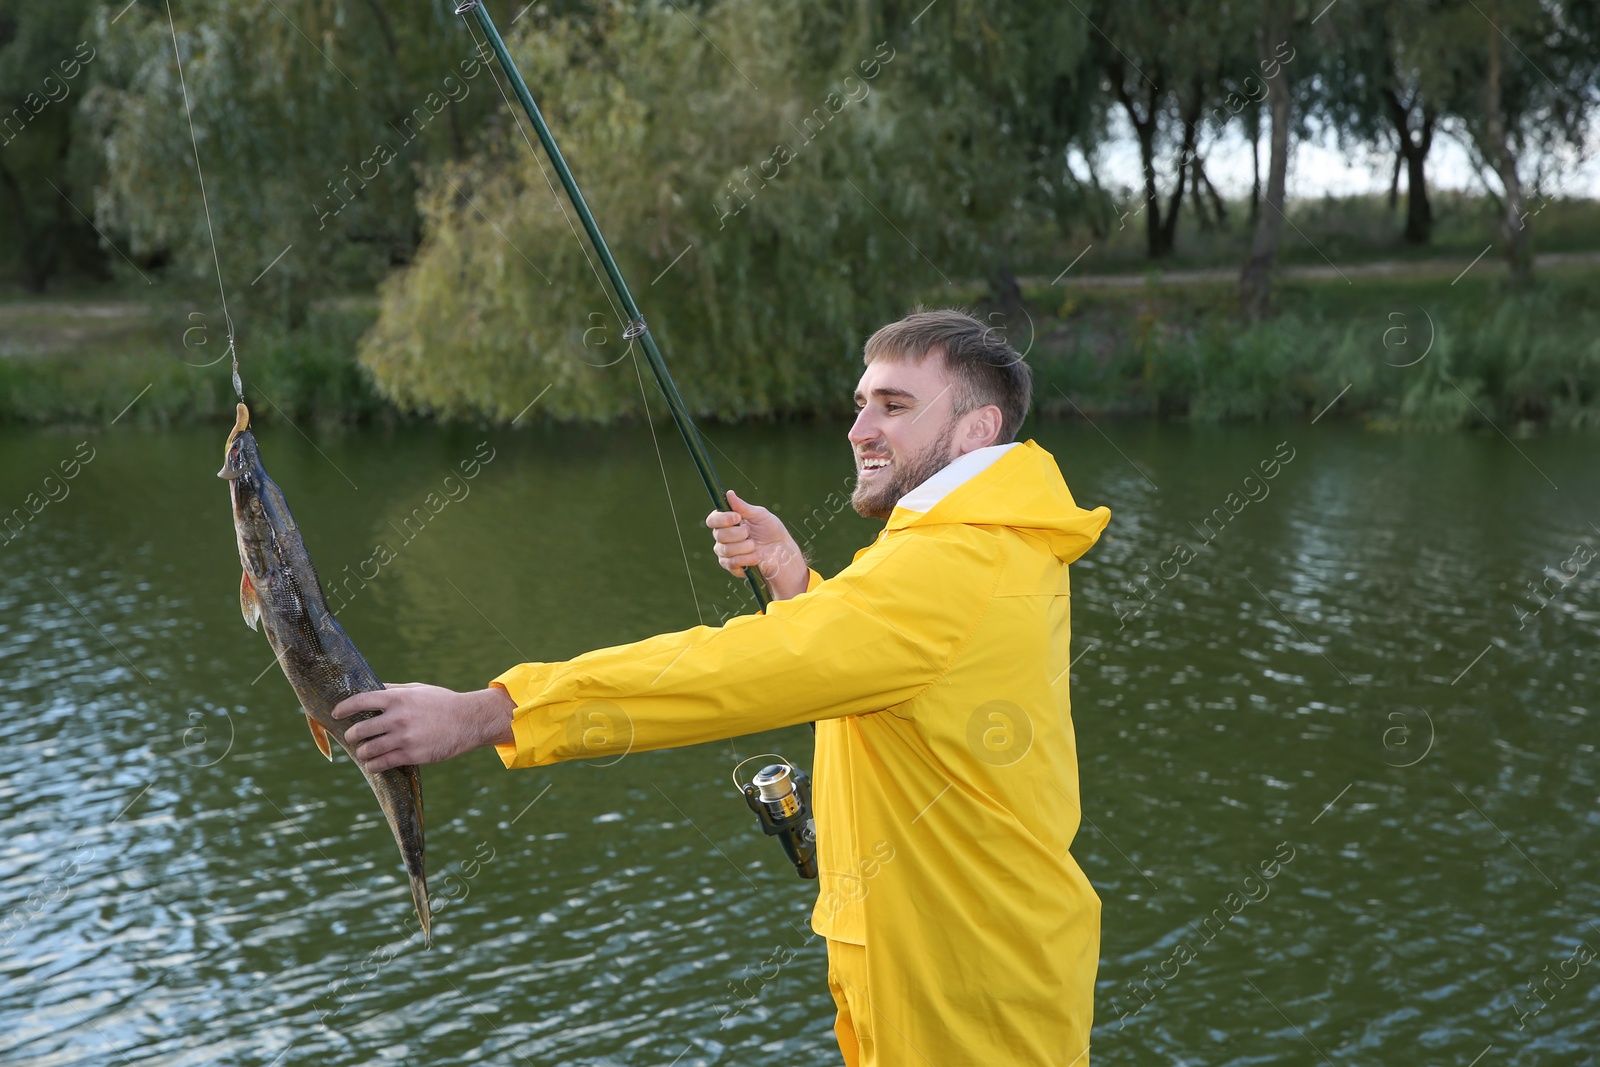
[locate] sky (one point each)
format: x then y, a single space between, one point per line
1319 167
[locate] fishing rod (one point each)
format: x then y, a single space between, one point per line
780 794
637 329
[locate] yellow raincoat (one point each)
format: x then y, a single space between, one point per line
961 931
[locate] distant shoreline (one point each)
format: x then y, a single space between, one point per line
1437 343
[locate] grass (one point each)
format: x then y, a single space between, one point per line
1418 353
1342 230
89 360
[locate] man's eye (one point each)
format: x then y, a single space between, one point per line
895 407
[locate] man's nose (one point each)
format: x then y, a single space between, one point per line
863 429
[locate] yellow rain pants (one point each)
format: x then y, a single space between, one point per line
847 981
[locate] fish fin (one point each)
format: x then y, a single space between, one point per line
320 736
249 603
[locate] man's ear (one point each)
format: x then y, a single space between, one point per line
982 428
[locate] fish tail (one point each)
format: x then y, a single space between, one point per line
419 896
416 866
399 793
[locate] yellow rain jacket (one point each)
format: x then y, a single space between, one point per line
946 777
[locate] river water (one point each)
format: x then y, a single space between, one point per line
1356 683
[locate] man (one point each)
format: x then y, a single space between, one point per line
960 931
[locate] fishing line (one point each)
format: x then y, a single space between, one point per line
177 54
673 507
482 48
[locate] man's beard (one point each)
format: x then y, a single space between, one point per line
877 500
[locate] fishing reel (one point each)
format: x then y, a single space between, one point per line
780 796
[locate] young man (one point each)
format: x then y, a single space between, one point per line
960 930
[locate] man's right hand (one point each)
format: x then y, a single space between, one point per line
420 723
750 535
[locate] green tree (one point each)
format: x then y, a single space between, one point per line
776 181
1525 89
44 62
727 189
1172 66
1277 32
311 118
993 97
1384 78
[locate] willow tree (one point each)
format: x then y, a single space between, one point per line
1525 91
991 98
1180 71
311 118
1385 77
45 187
770 197
1276 30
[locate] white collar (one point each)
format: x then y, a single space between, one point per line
956 473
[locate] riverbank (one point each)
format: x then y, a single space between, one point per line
1426 344
1396 348
97 358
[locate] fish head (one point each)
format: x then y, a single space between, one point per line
252 519
260 517
243 457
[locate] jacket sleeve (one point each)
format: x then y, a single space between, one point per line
870 638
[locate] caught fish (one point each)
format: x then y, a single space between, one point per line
280 592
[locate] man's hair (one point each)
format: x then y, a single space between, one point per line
986 369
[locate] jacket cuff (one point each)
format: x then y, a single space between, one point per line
524 683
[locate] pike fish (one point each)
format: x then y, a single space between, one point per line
281 593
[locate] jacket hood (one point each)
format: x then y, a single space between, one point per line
1015 485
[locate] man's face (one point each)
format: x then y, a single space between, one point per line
905 430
